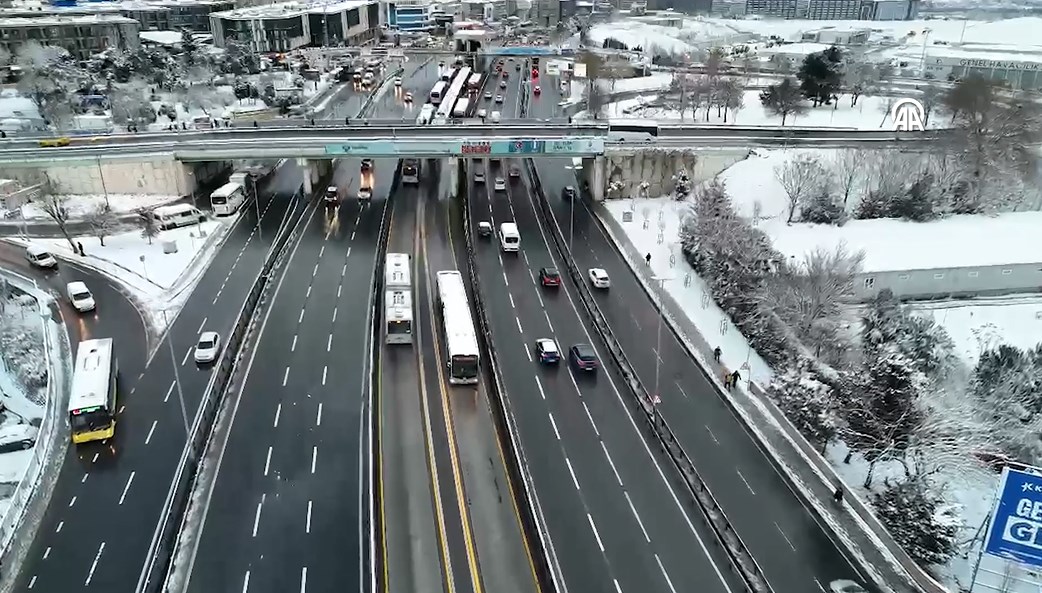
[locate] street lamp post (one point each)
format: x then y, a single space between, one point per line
256 204
658 338
571 205
177 378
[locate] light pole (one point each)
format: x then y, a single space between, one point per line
577 167
177 377
101 175
256 204
658 337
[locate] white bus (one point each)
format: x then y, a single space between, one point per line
460 110
426 114
438 92
459 80
227 199
398 316
474 82
397 272
460 336
92 403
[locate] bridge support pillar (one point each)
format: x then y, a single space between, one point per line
598 177
454 167
305 167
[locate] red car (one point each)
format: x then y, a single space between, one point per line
549 277
535 72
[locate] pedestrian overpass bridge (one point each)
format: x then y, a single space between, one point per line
534 139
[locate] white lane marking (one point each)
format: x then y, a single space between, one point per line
665 574
521 331
318 419
711 435
256 517
314 457
784 536
293 346
589 416
343 270
169 390
539 384
550 325
126 488
307 522
575 480
303 579
32 581
338 289
278 414
325 369
528 352
185 359
47 552
682 392
746 482
246 582
308 295
505 281
611 463
267 461
636 515
150 431
329 342
300 317
285 377
618 587
83 480
512 305
334 314
596 535
314 271
201 326
816 582
321 251
95 458
59 528
73 503
554 424
94 565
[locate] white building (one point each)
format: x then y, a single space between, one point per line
291 25
1017 70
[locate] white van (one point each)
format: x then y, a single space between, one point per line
40 257
171 217
80 297
495 117
509 238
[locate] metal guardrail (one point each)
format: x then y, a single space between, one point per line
547 568
742 561
45 463
174 513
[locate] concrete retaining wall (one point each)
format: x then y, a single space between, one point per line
157 176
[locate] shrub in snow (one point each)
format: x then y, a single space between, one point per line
21 346
1007 387
919 520
807 402
887 322
821 208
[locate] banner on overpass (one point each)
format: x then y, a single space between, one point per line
436 148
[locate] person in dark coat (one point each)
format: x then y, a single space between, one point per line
735 377
716 354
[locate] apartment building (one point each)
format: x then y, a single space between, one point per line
153 15
291 25
867 10
81 35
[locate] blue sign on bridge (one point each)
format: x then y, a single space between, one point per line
472 148
1016 523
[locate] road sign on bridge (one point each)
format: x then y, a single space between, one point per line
434 148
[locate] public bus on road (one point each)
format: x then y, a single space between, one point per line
460 336
397 298
227 199
426 114
438 92
92 403
459 80
474 82
411 171
460 110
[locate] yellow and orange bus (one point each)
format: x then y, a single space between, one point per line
92 403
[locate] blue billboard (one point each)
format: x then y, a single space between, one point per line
1016 522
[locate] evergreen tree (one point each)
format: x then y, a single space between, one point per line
149 226
188 46
783 99
919 521
820 75
917 203
821 208
806 402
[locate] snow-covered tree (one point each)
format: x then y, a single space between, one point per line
783 99
1007 385
849 171
56 208
681 185
131 105
806 402
822 208
102 221
149 226
931 98
858 79
800 177
920 521
732 98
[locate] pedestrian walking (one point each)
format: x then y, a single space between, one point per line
79 247
716 354
647 258
727 380
735 377
837 496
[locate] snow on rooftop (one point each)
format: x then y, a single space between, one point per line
290 9
162 37
51 20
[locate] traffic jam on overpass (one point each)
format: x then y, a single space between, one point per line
507 474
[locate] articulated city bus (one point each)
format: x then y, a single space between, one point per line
460 336
92 403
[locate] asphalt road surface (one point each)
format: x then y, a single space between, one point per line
101 518
286 511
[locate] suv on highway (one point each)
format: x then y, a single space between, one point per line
549 277
583 357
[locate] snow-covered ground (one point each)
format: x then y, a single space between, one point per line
870 113
81 206
160 282
888 244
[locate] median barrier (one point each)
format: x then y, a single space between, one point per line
742 561
853 526
30 498
534 523
171 523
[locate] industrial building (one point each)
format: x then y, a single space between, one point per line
864 10
288 26
81 35
1017 71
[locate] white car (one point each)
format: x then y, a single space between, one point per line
398 81
599 278
40 257
499 98
479 177
845 586
81 298
501 184
502 84
488 96
208 348
17 437
408 97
